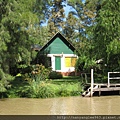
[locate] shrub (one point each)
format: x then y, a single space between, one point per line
41 90
55 75
23 91
75 93
62 91
19 88
38 73
4 83
5 80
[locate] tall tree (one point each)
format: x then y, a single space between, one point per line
56 16
85 13
70 27
16 18
107 33
42 9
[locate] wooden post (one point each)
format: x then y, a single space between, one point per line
108 79
99 90
92 83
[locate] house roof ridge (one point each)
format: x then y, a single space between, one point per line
61 39
53 36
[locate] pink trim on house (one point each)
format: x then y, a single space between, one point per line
70 73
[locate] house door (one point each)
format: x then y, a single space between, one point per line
57 63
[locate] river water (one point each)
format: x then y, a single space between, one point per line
104 105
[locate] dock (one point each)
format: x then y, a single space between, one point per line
101 87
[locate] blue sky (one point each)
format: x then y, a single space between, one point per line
67 9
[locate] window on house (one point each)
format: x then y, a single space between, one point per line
70 61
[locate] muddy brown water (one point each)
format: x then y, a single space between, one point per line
104 105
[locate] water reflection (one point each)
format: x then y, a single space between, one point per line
107 105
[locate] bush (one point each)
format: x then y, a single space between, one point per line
41 90
4 83
63 92
75 93
19 88
38 73
55 75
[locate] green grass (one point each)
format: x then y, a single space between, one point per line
67 86
67 79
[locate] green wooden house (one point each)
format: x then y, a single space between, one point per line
60 54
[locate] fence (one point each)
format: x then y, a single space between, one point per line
113 77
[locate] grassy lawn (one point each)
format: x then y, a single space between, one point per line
66 79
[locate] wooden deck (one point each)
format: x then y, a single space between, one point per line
102 87
105 84
107 89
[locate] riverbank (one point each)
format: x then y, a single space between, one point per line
67 86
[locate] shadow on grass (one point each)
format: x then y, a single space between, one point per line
18 81
67 79
19 88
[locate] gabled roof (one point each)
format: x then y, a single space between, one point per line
58 35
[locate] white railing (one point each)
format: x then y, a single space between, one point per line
109 78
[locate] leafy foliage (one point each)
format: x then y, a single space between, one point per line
16 18
107 33
41 90
56 16
35 73
5 80
84 64
55 75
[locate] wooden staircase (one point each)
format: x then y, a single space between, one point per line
87 93
102 87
